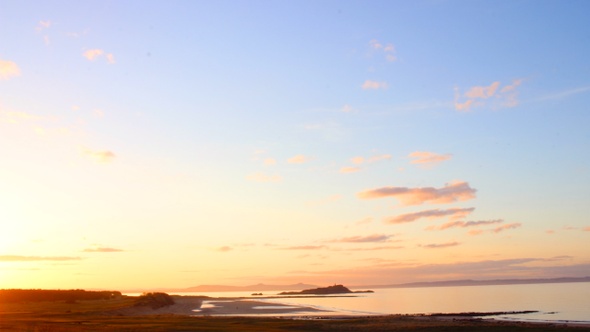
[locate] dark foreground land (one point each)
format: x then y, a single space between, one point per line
122 313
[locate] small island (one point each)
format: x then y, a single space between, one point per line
336 289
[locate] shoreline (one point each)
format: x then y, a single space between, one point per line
256 307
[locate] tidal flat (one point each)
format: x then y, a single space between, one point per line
122 314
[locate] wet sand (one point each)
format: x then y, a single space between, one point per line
228 307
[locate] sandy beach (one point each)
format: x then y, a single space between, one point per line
240 307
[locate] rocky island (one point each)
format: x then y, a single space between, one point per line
336 289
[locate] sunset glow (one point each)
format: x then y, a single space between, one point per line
148 144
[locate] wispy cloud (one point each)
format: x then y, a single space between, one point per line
93 54
359 160
261 177
440 245
463 224
102 249
18 258
496 230
454 213
505 227
374 85
454 192
363 239
8 69
564 94
303 248
428 159
476 96
42 25
298 159
388 49
586 229
482 91
103 156
224 249
97 53
349 169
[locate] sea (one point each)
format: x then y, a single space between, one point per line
553 302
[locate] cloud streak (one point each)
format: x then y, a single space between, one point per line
102 249
428 159
440 245
364 239
464 224
454 192
476 96
454 213
18 258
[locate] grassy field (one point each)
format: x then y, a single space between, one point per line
97 315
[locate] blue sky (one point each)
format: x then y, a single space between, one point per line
233 141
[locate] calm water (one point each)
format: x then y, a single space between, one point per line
567 301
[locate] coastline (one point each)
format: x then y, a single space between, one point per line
256 307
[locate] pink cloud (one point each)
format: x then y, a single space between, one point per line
110 58
388 49
454 213
464 107
428 158
506 227
303 248
8 69
482 91
454 192
506 96
440 245
374 85
298 159
93 54
587 229
464 224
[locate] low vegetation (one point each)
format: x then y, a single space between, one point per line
154 300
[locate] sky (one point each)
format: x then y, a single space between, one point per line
149 144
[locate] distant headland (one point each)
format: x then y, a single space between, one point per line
336 289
